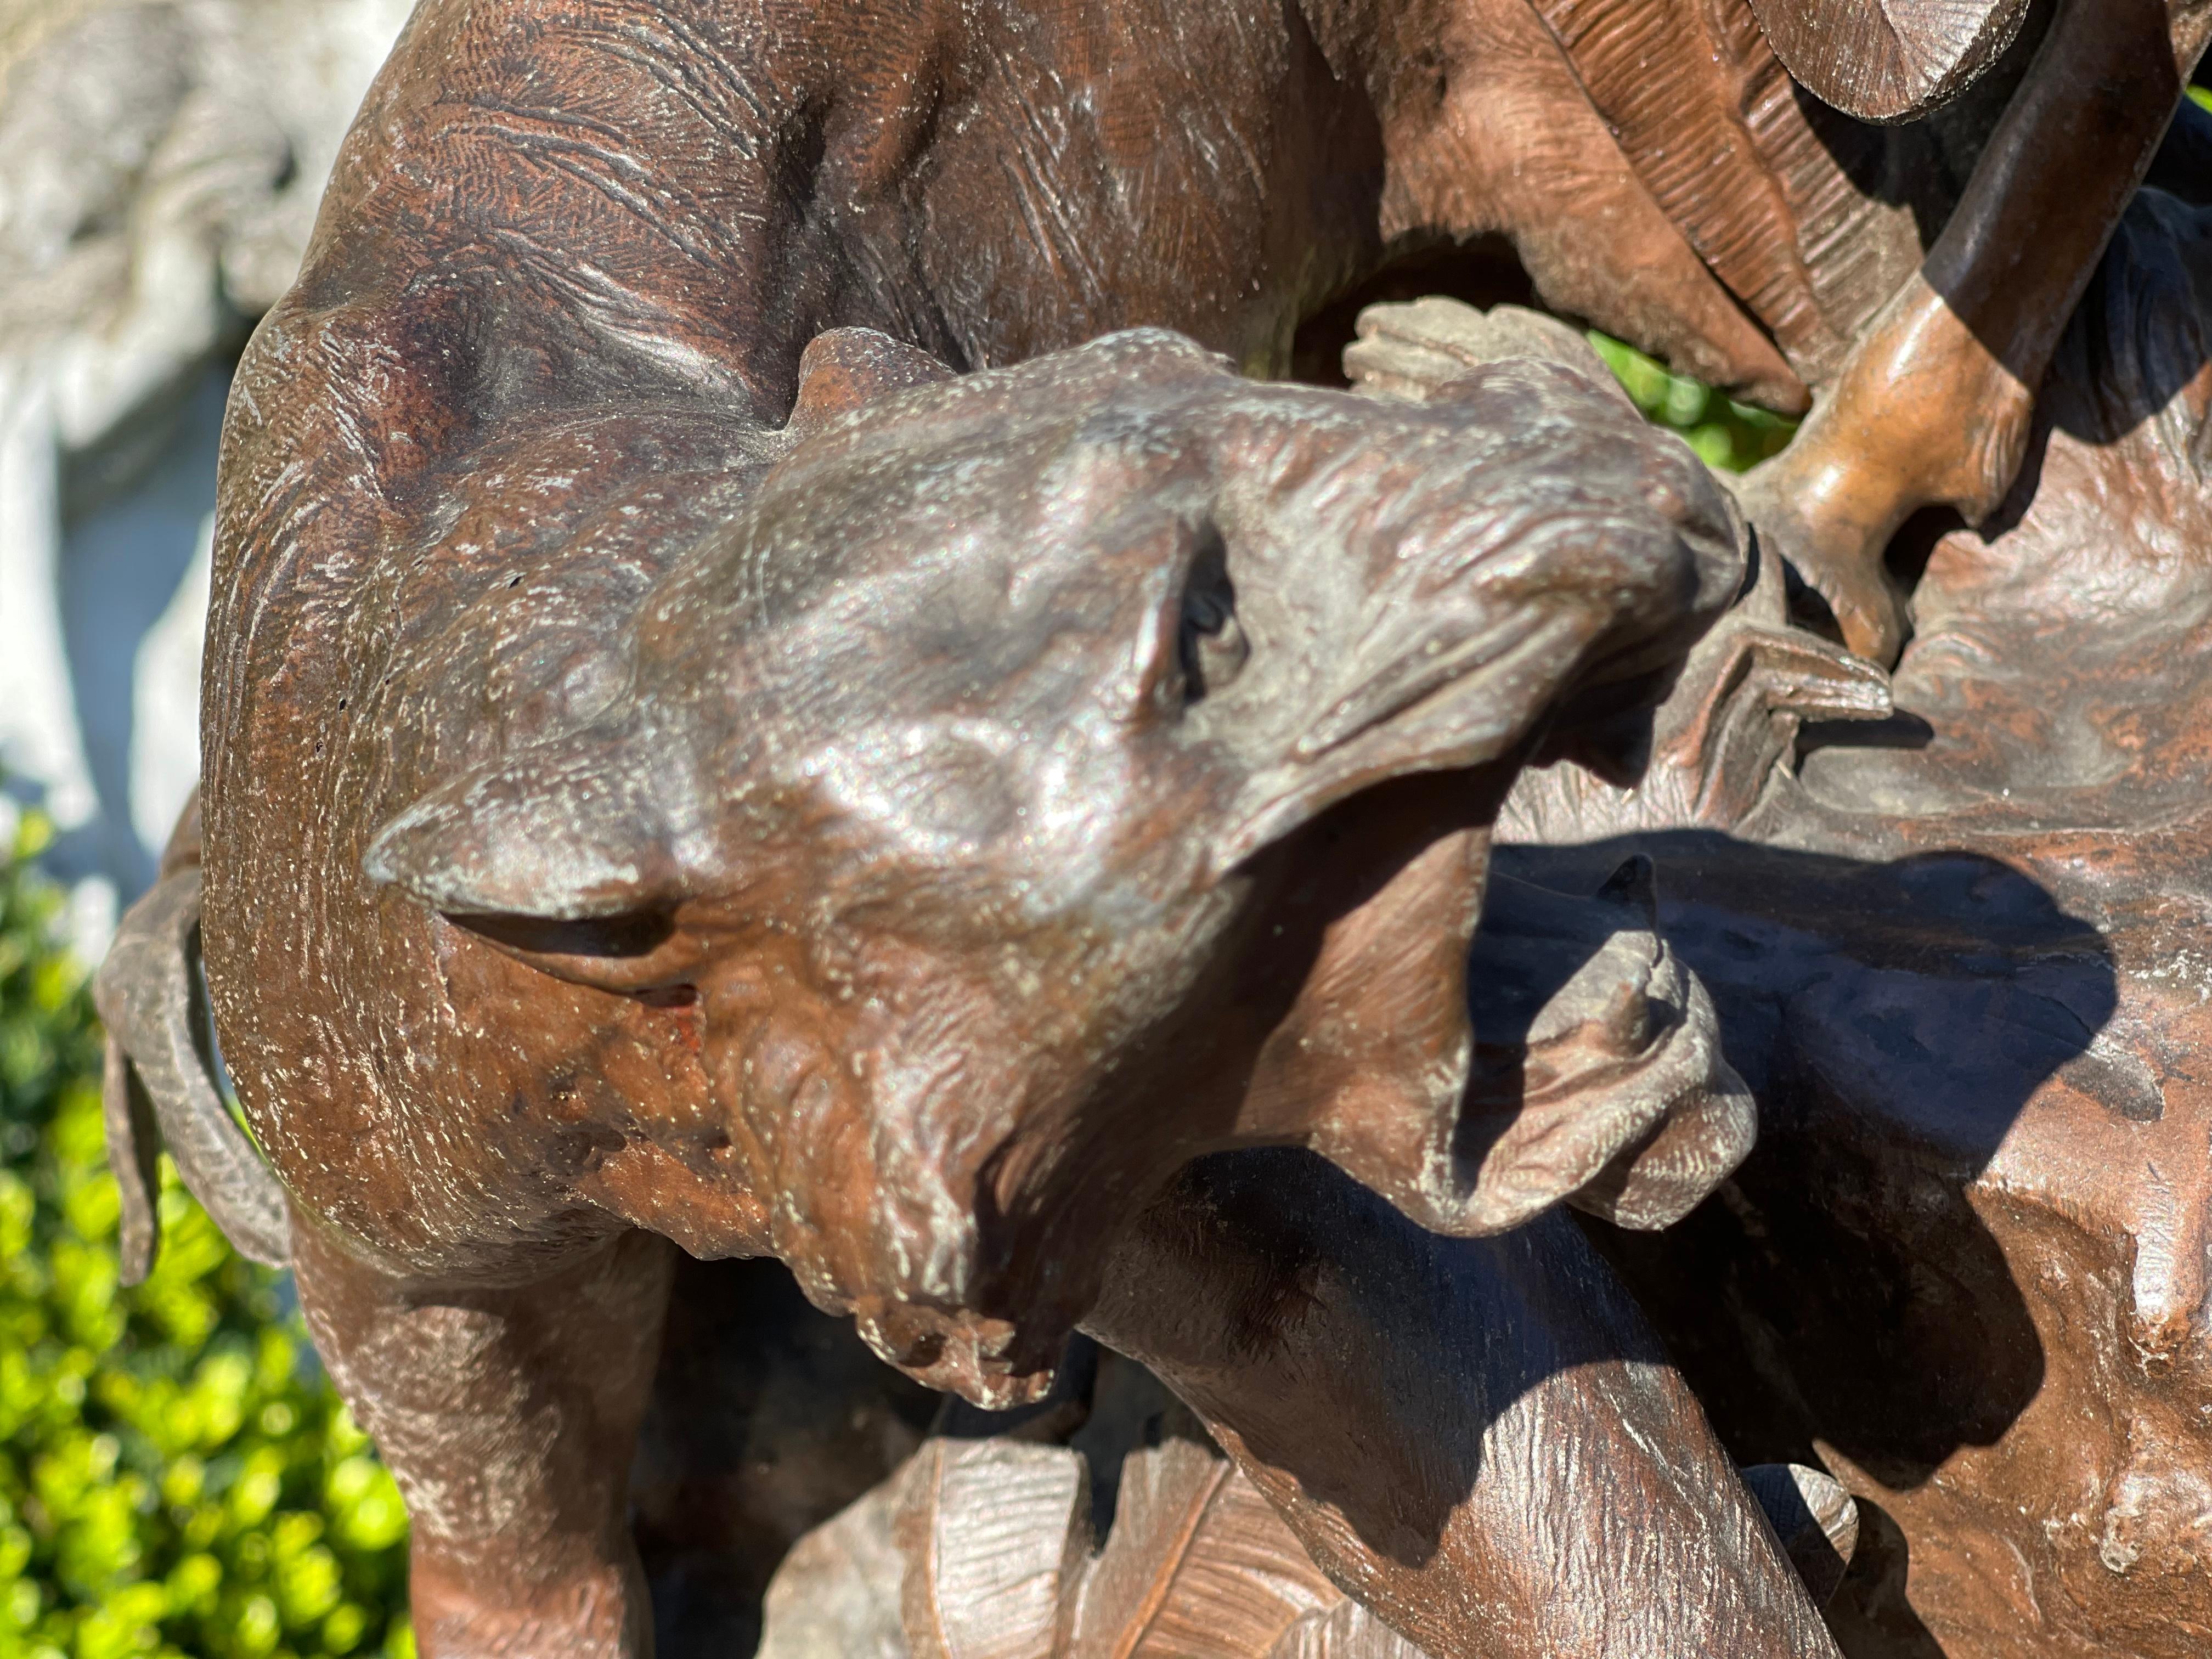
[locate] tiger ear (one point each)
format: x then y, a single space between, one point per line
575 829
847 368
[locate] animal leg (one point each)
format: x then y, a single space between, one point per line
1934 405
1478 1437
508 1416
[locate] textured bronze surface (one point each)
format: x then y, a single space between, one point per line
1966 981
735 720
1934 405
831 840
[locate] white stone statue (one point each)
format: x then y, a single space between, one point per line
160 164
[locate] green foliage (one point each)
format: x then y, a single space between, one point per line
1724 432
176 1476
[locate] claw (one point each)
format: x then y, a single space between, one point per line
1414 349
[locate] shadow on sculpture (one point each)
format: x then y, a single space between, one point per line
1840 1294
1806 1316
1871 1616
767 1417
1923 1002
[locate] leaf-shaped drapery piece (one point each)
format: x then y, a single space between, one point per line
982 1550
1198 1564
1347 1631
994 1533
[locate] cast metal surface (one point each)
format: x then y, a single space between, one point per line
771 690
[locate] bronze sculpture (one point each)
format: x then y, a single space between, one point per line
684 764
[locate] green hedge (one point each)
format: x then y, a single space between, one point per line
1724 432
176 1476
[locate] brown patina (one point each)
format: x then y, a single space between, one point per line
684 765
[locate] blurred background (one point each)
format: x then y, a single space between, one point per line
176 1477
